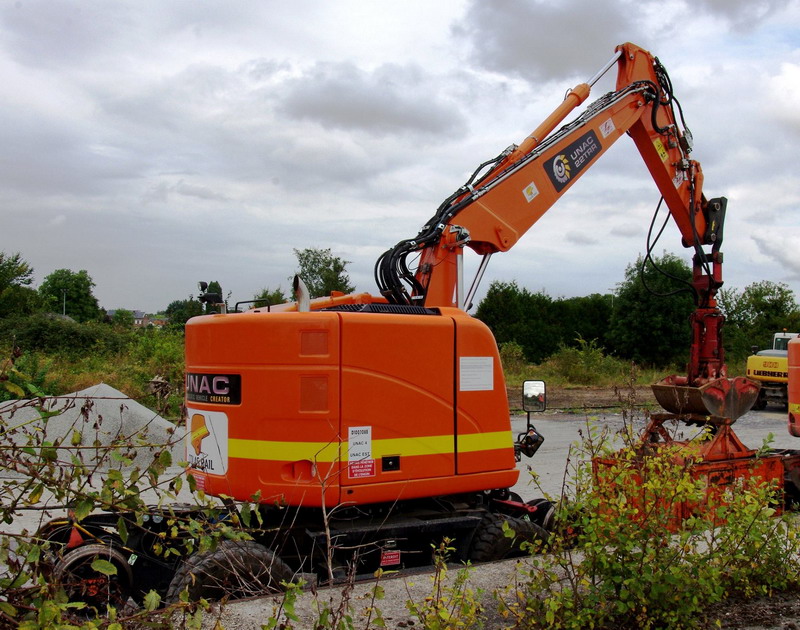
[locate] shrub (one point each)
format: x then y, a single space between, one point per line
624 558
53 334
512 357
585 364
159 352
24 375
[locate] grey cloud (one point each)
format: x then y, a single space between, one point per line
743 15
161 192
71 34
579 238
50 155
627 230
541 40
250 122
392 99
62 33
783 251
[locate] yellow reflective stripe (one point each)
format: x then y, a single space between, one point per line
794 408
284 451
328 452
422 445
473 442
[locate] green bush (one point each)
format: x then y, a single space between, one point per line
512 357
47 333
159 352
624 558
585 365
24 376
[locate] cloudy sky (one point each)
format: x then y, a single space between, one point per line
157 143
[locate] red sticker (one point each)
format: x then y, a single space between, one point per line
364 468
390 558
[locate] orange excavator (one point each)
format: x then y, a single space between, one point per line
368 427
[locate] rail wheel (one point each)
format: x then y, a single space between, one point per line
491 543
234 570
99 584
545 513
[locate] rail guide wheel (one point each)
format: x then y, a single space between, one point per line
96 574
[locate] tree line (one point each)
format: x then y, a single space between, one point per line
645 320
321 271
71 293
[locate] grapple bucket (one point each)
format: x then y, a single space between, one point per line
724 397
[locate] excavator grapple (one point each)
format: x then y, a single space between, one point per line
723 397
721 460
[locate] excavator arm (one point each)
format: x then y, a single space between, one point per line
508 194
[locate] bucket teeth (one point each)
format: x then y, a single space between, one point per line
724 397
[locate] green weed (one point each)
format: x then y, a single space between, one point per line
641 543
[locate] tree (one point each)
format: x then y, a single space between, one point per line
123 318
70 293
752 316
14 271
515 314
323 272
584 319
180 311
648 325
16 297
269 297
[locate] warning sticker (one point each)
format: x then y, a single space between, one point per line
607 128
363 468
662 152
531 192
359 453
390 557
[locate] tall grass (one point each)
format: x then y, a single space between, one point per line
60 357
583 366
70 357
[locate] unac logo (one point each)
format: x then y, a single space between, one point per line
199 431
561 168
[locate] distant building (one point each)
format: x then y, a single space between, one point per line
142 319
139 319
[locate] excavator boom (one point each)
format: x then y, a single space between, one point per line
508 194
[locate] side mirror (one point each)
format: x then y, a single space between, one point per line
534 399
534 396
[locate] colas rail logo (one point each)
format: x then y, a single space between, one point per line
198 431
